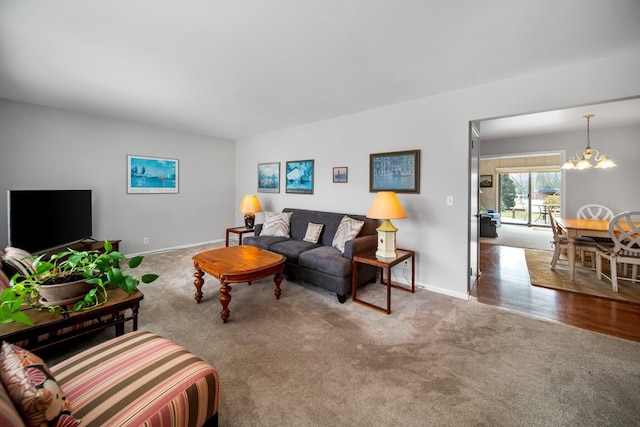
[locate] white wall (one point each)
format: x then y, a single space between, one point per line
615 188
439 126
45 148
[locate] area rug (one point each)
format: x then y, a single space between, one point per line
585 281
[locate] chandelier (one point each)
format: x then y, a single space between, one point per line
583 161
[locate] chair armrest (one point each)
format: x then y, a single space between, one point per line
360 244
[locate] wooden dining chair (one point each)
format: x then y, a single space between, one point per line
593 211
561 241
624 231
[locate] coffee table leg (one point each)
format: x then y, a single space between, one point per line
278 280
225 298
198 282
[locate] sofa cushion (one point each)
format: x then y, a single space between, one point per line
276 224
347 230
9 415
327 260
263 242
18 253
139 378
313 232
4 280
33 388
292 248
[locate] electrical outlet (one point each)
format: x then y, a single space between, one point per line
449 200
145 240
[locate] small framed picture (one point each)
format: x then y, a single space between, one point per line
269 177
397 171
299 177
340 174
486 180
151 175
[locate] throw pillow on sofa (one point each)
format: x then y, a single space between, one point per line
18 261
33 388
313 232
347 230
276 224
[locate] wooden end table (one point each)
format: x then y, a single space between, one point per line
236 264
61 327
385 264
239 231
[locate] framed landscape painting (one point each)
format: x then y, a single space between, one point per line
397 171
299 177
146 175
486 180
269 177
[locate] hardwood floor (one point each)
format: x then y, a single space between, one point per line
504 282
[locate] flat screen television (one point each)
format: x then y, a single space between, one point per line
40 220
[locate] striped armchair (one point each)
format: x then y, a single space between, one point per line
137 379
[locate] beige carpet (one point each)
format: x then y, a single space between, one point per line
521 236
306 360
585 281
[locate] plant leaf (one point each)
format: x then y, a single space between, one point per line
19 316
115 276
135 261
108 246
129 284
148 278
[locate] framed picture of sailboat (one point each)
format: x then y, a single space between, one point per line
148 175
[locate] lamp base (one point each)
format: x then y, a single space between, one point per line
386 244
249 220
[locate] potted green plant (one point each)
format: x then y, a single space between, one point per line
89 274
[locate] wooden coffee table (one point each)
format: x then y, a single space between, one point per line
236 264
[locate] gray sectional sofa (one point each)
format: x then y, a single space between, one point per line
320 263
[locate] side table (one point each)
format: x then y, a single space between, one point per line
385 264
49 329
239 231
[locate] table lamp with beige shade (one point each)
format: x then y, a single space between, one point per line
386 206
249 206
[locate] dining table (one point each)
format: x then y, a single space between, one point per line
574 227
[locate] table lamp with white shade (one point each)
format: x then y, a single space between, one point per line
386 206
249 206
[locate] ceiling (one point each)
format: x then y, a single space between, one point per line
236 68
606 115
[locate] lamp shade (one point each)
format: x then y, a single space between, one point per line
386 206
250 204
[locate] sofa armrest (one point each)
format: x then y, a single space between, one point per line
360 244
139 378
257 229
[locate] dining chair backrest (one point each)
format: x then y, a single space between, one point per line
554 226
594 212
624 230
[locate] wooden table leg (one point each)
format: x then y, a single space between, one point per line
388 290
571 243
278 280
225 298
198 282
